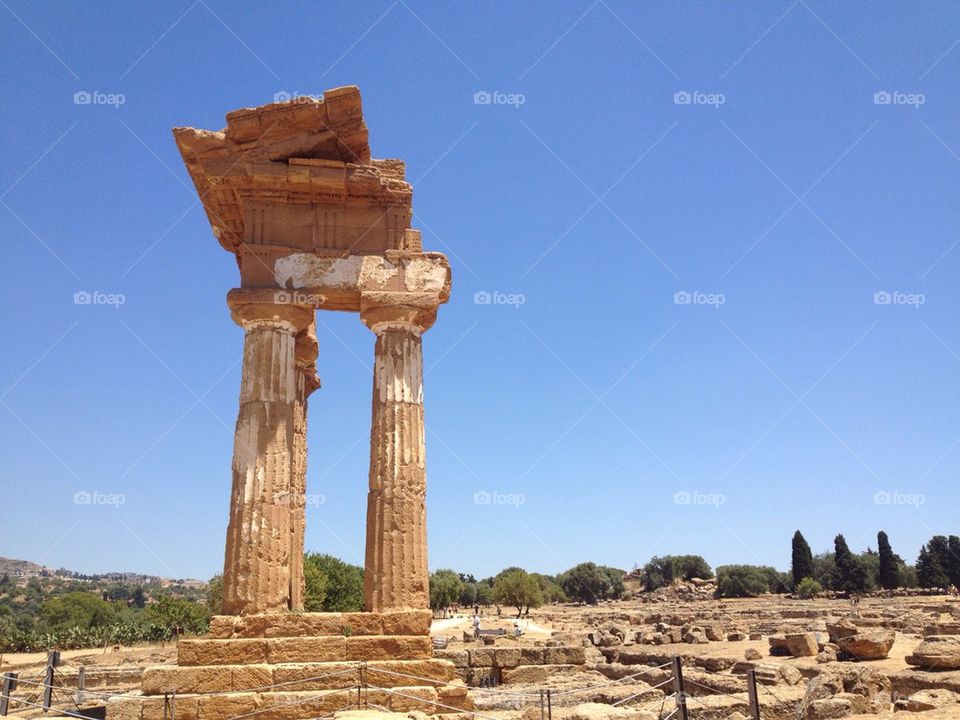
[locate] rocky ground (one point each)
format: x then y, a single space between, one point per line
812 659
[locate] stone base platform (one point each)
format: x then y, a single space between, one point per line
300 665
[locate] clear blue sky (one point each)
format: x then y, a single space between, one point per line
782 197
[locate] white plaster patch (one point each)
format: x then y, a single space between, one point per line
306 270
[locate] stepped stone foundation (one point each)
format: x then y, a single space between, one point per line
315 223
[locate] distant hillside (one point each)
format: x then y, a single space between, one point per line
26 569
22 568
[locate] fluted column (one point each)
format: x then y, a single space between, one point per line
305 354
396 573
257 564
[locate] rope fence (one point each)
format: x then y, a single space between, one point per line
673 700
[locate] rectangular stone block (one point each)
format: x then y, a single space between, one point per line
171 678
299 705
531 656
207 651
568 655
362 623
390 673
305 624
504 657
460 658
222 707
328 676
455 695
532 674
251 677
407 622
406 699
306 649
389 647
124 708
482 657
186 708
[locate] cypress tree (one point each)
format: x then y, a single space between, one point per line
889 571
801 559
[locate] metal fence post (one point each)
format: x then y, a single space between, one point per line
9 685
48 682
543 706
752 694
81 684
678 688
549 705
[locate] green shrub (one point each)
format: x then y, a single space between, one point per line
808 588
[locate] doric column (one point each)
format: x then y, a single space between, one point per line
396 574
257 565
305 355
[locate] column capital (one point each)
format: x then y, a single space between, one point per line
247 308
413 311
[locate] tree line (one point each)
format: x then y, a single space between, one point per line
48 613
937 566
516 588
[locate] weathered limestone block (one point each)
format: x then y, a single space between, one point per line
307 649
153 708
170 678
285 705
868 645
801 644
206 651
829 708
294 677
506 657
565 655
528 674
531 655
407 622
937 652
219 707
460 658
388 673
389 647
482 657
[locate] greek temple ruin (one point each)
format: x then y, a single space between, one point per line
314 223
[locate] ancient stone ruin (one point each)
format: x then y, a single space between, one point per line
314 223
